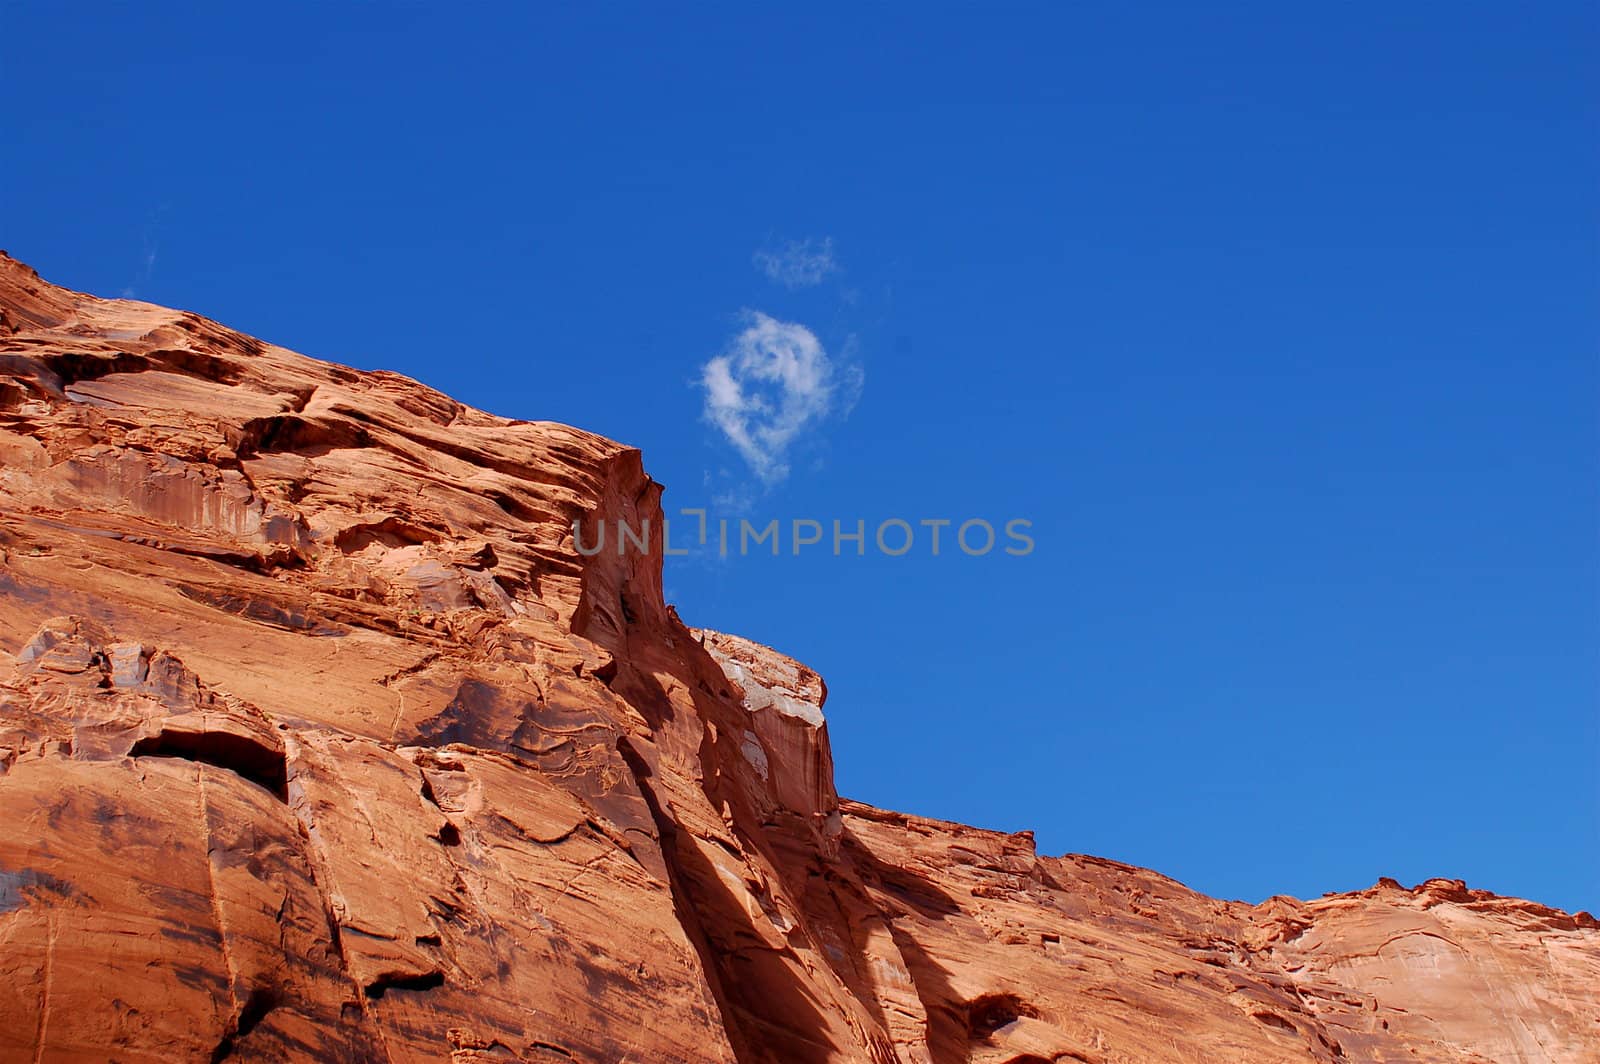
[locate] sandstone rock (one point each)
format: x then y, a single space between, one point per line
320 741
787 740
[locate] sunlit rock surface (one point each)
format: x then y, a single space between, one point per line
320 741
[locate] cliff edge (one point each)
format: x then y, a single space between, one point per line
320 741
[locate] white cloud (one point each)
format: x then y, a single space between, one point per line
799 263
774 381
148 263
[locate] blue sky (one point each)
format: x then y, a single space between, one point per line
1278 324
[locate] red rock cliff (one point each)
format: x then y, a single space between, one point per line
320 741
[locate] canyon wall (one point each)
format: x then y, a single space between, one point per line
321 741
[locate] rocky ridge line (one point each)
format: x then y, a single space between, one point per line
321 741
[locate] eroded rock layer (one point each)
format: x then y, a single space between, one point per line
320 741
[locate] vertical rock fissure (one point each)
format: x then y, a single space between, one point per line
317 878
45 988
683 907
232 1024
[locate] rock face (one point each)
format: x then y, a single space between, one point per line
786 743
320 741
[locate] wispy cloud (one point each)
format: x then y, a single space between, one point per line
147 260
799 263
773 382
146 269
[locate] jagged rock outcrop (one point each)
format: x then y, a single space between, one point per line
320 741
786 742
